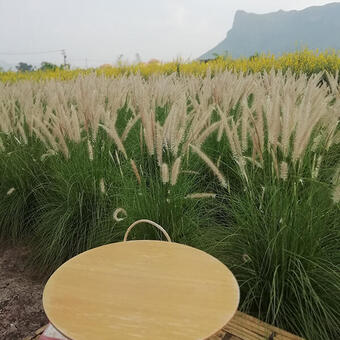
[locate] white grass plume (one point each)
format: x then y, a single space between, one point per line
211 165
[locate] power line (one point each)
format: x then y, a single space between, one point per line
92 59
31 53
63 53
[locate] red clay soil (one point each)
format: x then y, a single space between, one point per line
21 311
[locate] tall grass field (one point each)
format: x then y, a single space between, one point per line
245 166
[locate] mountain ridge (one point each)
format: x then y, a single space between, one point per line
277 32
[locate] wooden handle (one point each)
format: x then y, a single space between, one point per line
150 222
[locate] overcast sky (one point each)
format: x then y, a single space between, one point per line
95 32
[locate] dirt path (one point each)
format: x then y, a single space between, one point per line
21 311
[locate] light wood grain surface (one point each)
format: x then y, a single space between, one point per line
240 327
141 290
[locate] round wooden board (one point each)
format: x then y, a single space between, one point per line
141 290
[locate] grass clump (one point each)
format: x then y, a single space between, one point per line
21 170
243 166
284 250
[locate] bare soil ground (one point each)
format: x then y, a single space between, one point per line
21 311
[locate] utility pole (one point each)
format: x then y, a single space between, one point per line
63 52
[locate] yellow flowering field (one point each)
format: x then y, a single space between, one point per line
305 61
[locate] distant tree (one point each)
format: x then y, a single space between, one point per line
23 67
46 66
1 69
254 56
65 67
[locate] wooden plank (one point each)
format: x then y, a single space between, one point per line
40 330
224 336
248 328
37 333
243 333
260 325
